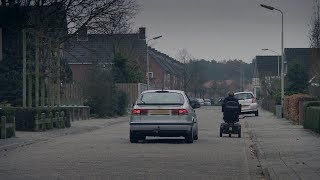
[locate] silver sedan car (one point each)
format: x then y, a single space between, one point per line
248 103
164 113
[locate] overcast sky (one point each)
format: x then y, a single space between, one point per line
225 29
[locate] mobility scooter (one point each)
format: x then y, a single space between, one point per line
231 125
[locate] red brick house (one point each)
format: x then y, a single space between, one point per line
166 71
88 49
91 49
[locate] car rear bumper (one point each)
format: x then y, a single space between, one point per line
161 129
250 109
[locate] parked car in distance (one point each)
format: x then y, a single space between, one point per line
212 101
219 101
207 102
201 101
248 103
164 113
195 103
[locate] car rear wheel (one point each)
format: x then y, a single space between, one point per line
189 137
196 137
256 113
133 137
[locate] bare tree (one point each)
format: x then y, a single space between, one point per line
314 37
99 16
50 23
185 57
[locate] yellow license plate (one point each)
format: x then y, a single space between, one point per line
159 112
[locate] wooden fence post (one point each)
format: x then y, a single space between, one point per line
57 120
3 127
78 115
62 119
14 126
50 118
43 118
37 123
73 114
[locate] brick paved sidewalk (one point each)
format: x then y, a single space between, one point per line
286 151
24 138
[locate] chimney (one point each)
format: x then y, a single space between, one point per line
82 34
142 33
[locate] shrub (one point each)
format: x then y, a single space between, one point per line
30 118
269 105
9 113
291 105
122 103
312 119
306 105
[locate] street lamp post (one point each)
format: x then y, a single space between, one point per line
278 58
282 50
148 66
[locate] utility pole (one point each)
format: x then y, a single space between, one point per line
1 54
283 63
24 69
148 64
29 75
37 73
58 86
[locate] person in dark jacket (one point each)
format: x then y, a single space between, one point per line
231 97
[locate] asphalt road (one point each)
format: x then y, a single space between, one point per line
106 153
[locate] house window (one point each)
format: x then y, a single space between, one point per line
168 77
151 75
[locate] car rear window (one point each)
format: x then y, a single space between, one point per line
243 96
162 98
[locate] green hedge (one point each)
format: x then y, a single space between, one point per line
312 118
42 118
306 105
9 114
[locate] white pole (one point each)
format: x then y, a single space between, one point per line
148 78
278 66
282 61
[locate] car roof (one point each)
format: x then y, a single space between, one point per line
174 91
244 92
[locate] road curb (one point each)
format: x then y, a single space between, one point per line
78 130
13 146
260 154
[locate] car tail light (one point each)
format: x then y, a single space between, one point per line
179 112
136 111
139 111
254 100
